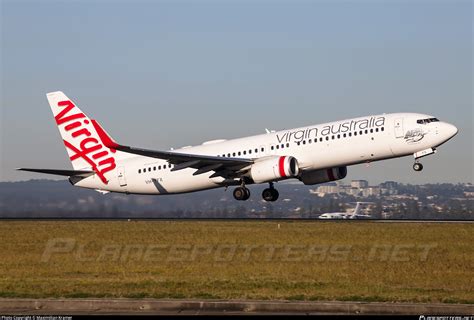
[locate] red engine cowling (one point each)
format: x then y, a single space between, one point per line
274 168
324 175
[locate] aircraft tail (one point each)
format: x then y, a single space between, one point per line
83 143
357 208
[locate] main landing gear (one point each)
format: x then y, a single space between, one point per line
270 194
242 193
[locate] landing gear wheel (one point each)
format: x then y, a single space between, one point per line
247 193
270 194
417 166
241 193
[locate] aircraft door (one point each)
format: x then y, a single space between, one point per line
398 125
121 176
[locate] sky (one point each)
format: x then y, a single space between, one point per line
166 74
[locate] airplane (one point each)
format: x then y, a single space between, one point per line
346 215
313 154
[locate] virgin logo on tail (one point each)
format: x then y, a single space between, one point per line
83 144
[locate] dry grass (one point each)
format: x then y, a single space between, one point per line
348 271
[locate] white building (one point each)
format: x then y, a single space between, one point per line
359 184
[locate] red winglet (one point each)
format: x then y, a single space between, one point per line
104 137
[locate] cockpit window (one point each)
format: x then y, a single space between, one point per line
424 121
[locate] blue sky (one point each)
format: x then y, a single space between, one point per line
161 74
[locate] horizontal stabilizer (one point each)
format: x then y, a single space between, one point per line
69 173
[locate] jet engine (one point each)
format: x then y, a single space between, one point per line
274 168
323 175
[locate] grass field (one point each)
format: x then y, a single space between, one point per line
363 261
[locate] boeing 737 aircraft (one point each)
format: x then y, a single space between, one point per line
314 154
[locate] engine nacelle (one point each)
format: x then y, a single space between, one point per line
324 175
274 168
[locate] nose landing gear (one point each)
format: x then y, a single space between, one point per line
420 154
417 166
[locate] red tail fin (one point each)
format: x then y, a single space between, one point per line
104 137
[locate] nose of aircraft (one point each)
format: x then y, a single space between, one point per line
449 130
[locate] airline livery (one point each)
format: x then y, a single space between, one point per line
314 154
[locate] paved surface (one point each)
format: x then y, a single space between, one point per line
242 219
161 306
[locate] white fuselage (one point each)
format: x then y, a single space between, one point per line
334 144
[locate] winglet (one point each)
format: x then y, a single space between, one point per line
104 137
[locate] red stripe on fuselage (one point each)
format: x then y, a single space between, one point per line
281 166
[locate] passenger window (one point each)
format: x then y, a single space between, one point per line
339 136
154 168
381 129
245 151
149 169
332 137
304 141
250 151
263 149
277 146
344 135
355 133
256 150
233 154
327 138
350 134
309 141
287 145
371 130
366 131
376 129
272 148
321 139
239 153
139 170
282 145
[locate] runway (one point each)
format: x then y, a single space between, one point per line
151 219
230 307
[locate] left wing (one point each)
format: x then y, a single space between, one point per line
224 167
60 172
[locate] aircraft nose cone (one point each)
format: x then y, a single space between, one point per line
451 130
